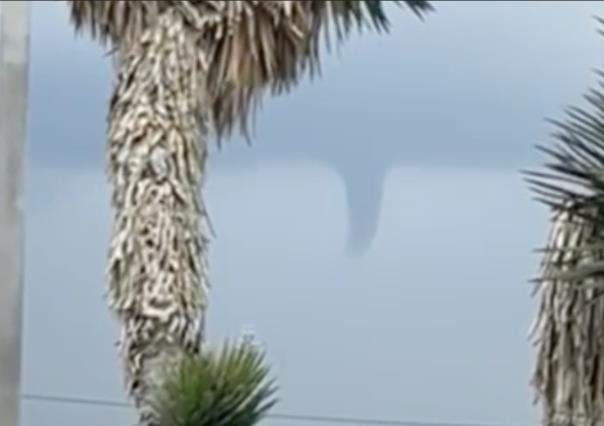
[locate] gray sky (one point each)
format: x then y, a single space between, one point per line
430 323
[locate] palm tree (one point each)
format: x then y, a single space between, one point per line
569 327
186 69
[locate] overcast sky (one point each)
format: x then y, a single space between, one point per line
420 134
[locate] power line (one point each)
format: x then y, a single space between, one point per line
275 416
374 422
74 400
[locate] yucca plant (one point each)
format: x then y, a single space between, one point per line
569 327
227 387
188 70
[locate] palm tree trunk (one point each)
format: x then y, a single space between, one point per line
569 337
157 149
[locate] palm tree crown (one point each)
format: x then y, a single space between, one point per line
248 45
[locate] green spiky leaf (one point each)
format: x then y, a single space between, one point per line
229 387
573 181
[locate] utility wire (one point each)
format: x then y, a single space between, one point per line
275 416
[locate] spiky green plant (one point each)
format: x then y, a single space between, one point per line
569 327
227 387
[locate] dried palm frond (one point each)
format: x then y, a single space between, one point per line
251 45
569 328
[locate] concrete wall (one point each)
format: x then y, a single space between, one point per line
14 44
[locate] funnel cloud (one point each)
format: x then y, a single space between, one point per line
364 191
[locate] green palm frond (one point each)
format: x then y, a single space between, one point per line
573 181
254 45
229 387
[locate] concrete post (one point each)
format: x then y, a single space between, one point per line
14 61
